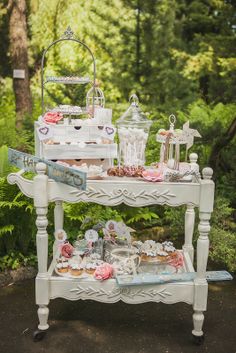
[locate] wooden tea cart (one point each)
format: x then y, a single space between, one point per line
135 193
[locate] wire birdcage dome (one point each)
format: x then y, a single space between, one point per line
95 97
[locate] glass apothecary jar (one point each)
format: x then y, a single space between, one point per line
133 129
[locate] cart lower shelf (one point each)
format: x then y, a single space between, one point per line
110 292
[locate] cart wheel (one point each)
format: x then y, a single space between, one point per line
198 340
38 335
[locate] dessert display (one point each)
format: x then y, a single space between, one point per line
82 138
60 135
128 171
118 259
151 251
115 254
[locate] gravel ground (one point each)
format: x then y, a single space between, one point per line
91 327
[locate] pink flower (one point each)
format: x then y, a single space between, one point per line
66 249
103 272
177 261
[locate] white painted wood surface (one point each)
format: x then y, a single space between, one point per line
114 191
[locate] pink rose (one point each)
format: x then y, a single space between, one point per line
103 272
66 250
177 261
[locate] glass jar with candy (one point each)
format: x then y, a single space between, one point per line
133 129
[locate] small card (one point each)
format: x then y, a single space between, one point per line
103 115
91 235
108 132
44 132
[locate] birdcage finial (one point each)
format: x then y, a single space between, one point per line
68 32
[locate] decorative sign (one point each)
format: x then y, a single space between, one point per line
54 171
19 74
148 278
44 132
91 235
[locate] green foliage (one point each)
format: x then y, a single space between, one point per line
14 260
16 221
223 234
80 217
4 166
223 248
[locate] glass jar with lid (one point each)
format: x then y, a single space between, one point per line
133 129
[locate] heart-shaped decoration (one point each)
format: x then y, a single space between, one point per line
44 130
109 130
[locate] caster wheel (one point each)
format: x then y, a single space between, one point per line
198 340
38 335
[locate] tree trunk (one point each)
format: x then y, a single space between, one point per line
222 142
19 58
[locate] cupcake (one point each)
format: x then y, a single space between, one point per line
162 256
90 268
137 243
148 255
76 270
62 267
159 247
150 243
169 248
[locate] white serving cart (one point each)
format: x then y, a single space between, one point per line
135 193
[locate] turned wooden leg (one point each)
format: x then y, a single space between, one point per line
58 221
201 285
198 319
200 282
42 280
43 312
189 228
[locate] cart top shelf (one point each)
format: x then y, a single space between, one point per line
132 192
